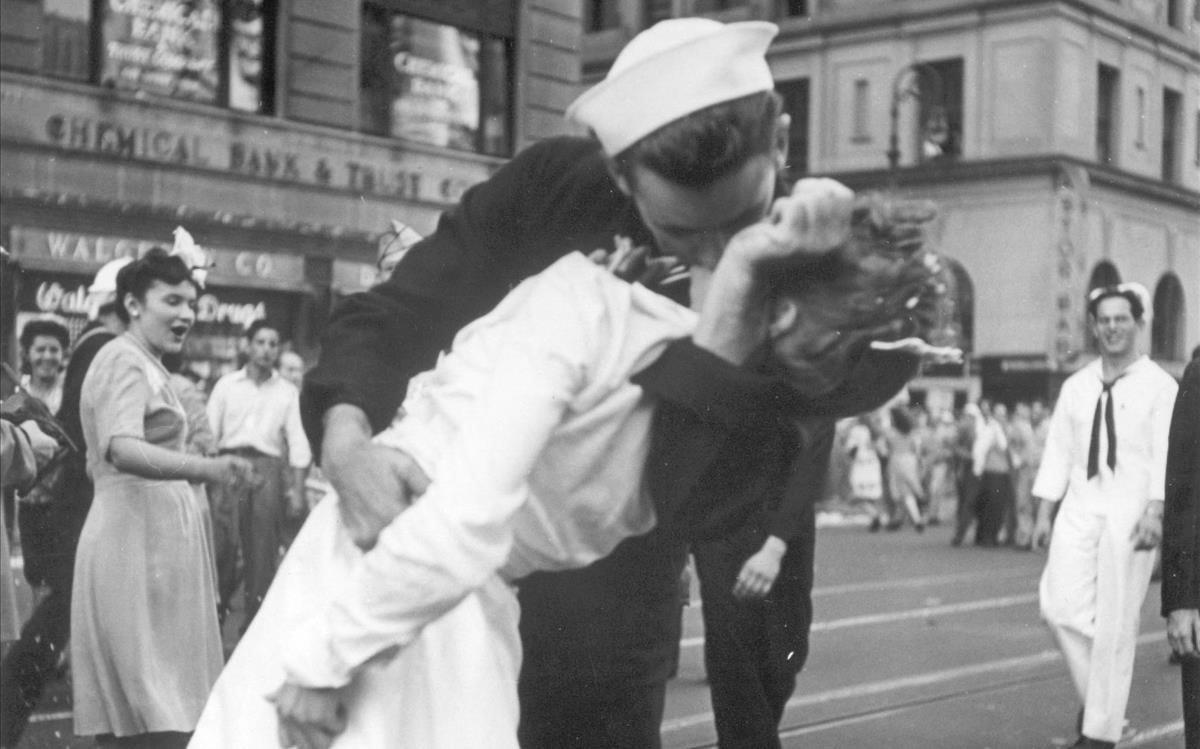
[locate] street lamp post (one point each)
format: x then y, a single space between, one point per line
908 82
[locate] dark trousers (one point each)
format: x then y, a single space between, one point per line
995 499
753 649
32 661
254 516
1191 702
968 505
599 643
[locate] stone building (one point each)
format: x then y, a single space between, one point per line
1061 139
284 135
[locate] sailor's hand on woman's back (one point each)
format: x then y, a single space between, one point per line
374 483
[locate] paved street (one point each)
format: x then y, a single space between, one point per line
919 645
916 645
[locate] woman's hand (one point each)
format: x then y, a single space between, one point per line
232 472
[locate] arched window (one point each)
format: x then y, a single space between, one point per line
1166 329
957 313
1104 274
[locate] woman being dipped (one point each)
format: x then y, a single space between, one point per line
145 643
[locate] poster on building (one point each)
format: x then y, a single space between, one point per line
245 55
166 48
435 91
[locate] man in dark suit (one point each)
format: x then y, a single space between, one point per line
1181 545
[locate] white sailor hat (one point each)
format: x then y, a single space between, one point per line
670 70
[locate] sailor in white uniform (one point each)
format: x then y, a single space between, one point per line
1105 460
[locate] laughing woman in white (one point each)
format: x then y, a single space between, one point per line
533 437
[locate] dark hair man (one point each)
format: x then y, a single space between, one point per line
255 413
1105 460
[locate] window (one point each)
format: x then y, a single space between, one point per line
1175 13
208 51
658 10
713 6
862 111
1107 79
941 111
1197 129
792 8
602 14
67 39
1166 327
795 103
435 83
1140 103
1172 131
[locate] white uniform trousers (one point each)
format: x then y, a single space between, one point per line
1091 595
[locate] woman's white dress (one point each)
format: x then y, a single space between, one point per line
535 441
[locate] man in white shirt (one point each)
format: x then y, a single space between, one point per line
255 413
1105 459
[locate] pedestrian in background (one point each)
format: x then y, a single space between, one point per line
291 366
393 245
1021 446
1181 545
44 346
145 645
966 482
866 476
943 494
34 658
1105 465
24 449
255 414
993 469
904 467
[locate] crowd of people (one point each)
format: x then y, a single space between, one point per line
974 469
616 349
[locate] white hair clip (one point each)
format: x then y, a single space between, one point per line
192 255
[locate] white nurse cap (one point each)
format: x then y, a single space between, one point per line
670 70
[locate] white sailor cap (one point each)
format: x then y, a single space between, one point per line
670 70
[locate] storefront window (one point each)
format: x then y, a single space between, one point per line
67 38
435 83
163 49
207 51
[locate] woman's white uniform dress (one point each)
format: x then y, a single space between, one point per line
535 441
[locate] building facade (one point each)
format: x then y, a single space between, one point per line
1060 138
284 135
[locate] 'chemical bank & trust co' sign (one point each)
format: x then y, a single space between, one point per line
226 143
275 160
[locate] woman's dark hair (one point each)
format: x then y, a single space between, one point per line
707 145
137 277
881 284
35 328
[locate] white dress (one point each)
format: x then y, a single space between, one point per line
535 441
